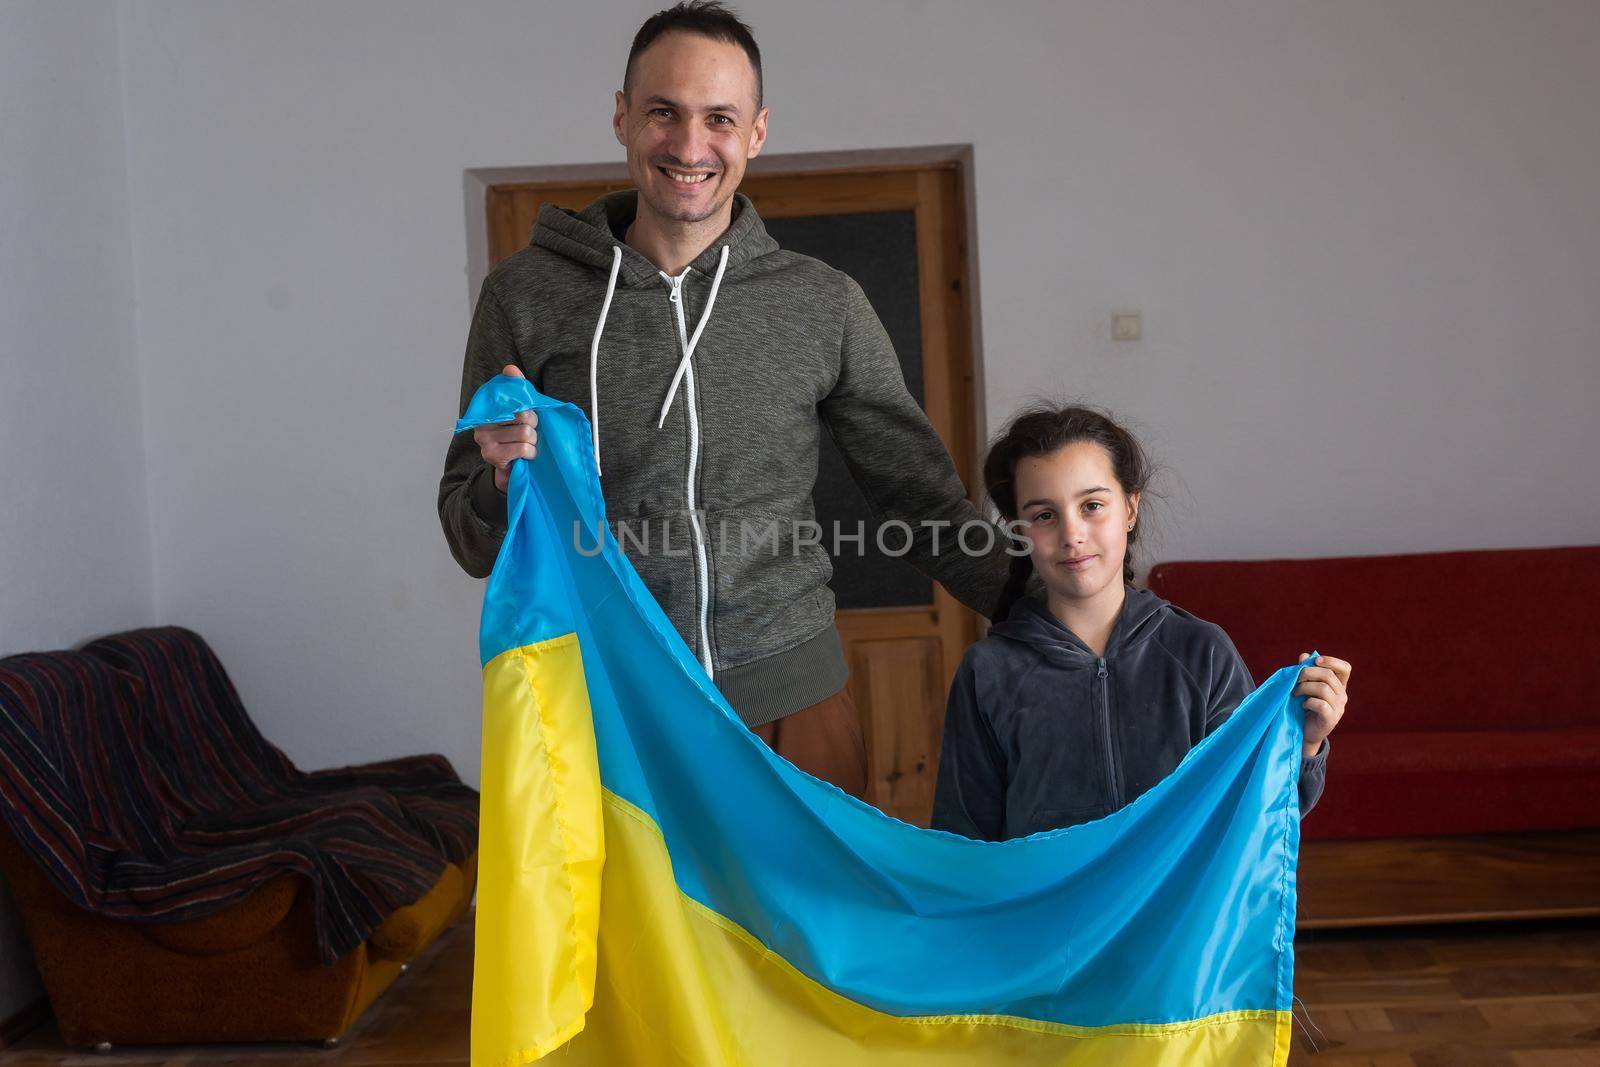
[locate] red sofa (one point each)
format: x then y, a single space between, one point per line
1473 705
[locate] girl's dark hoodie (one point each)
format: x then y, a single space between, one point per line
1042 733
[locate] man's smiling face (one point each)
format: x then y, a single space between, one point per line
690 122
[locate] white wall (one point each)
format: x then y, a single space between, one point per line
1363 237
74 524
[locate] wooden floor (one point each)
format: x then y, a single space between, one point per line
1441 997
1456 996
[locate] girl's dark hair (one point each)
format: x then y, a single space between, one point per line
1042 431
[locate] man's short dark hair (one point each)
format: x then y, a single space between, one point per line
708 18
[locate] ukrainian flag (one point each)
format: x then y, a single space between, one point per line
657 887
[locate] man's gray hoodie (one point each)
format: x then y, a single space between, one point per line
708 457
1041 733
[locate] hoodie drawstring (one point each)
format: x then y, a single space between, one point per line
594 353
688 349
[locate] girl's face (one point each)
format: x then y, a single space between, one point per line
1078 518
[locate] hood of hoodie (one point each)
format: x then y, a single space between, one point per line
592 239
1031 623
589 237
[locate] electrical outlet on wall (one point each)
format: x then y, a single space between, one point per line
1124 325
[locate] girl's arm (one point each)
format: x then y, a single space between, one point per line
970 795
1231 683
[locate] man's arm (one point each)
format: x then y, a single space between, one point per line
901 465
471 509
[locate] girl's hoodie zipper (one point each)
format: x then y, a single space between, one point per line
1105 725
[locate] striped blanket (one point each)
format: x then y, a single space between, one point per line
133 776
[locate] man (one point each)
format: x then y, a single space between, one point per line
709 362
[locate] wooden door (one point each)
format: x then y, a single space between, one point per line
901 232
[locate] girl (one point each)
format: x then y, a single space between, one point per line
1076 703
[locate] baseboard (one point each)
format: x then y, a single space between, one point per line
18 1025
1425 880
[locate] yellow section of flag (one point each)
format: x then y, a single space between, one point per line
541 852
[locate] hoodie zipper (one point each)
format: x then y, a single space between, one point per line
702 570
1105 722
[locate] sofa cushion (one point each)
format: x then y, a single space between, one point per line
1468 751
410 929
246 922
1476 782
1487 640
